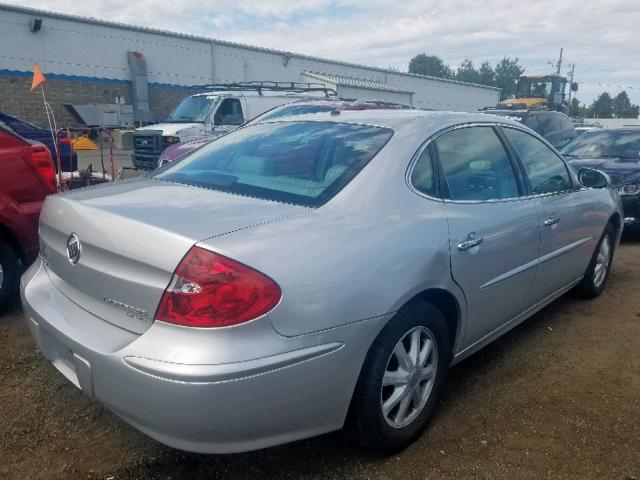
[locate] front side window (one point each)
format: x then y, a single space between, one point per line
545 170
229 113
305 163
476 165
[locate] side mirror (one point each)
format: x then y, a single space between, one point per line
593 178
574 87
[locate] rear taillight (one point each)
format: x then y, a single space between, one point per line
38 157
209 290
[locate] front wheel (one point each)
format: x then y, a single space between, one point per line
402 377
597 274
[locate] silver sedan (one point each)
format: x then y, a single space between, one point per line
307 269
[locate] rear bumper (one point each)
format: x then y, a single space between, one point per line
197 389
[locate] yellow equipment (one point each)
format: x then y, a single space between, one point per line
539 91
83 142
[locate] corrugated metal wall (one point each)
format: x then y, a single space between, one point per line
88 50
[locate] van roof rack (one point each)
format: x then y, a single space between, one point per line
266 85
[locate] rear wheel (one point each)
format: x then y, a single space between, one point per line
597 274
402 378
9 275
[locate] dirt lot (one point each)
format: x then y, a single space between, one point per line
558 397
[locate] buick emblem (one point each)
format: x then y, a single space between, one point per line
74 248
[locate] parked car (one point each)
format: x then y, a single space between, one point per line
581 127
68 158
300 107
27 177
297 271
215 112
556 127
615 151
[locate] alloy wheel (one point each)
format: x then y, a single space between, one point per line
602 262
409 376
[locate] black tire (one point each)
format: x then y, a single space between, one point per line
588 287
368 420
10 275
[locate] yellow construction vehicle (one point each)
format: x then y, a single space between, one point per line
539 91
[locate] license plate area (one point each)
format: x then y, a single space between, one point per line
60 356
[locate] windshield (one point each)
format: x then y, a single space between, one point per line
538 88
605 143
193 109
305 163
289 110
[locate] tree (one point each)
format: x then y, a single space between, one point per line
507 72
623 108
431 65
486 75
577 110
467 72
574 107
602 107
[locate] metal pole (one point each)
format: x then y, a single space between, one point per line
573 67
560 62
48 109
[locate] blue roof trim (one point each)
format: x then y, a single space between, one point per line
84 78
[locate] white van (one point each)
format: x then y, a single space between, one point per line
216 112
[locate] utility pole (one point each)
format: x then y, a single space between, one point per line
559 62
573 67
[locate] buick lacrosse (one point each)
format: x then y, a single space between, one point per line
308 272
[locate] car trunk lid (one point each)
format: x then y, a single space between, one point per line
132 235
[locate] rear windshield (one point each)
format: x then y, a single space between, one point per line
305 163
292 110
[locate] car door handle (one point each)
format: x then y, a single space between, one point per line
552 220
471 241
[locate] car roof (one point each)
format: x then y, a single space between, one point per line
396 118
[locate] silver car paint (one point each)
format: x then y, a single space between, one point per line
343 268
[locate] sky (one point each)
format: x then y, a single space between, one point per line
601 37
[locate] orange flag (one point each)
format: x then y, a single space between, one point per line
38 77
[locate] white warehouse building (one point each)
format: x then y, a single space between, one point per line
89 61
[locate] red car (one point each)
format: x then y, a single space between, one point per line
27 176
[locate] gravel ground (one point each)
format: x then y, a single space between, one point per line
558 397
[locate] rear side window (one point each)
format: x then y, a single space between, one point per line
476 165
305 163
545 170
423 177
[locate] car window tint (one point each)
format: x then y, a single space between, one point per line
476 165
422 177
546 171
